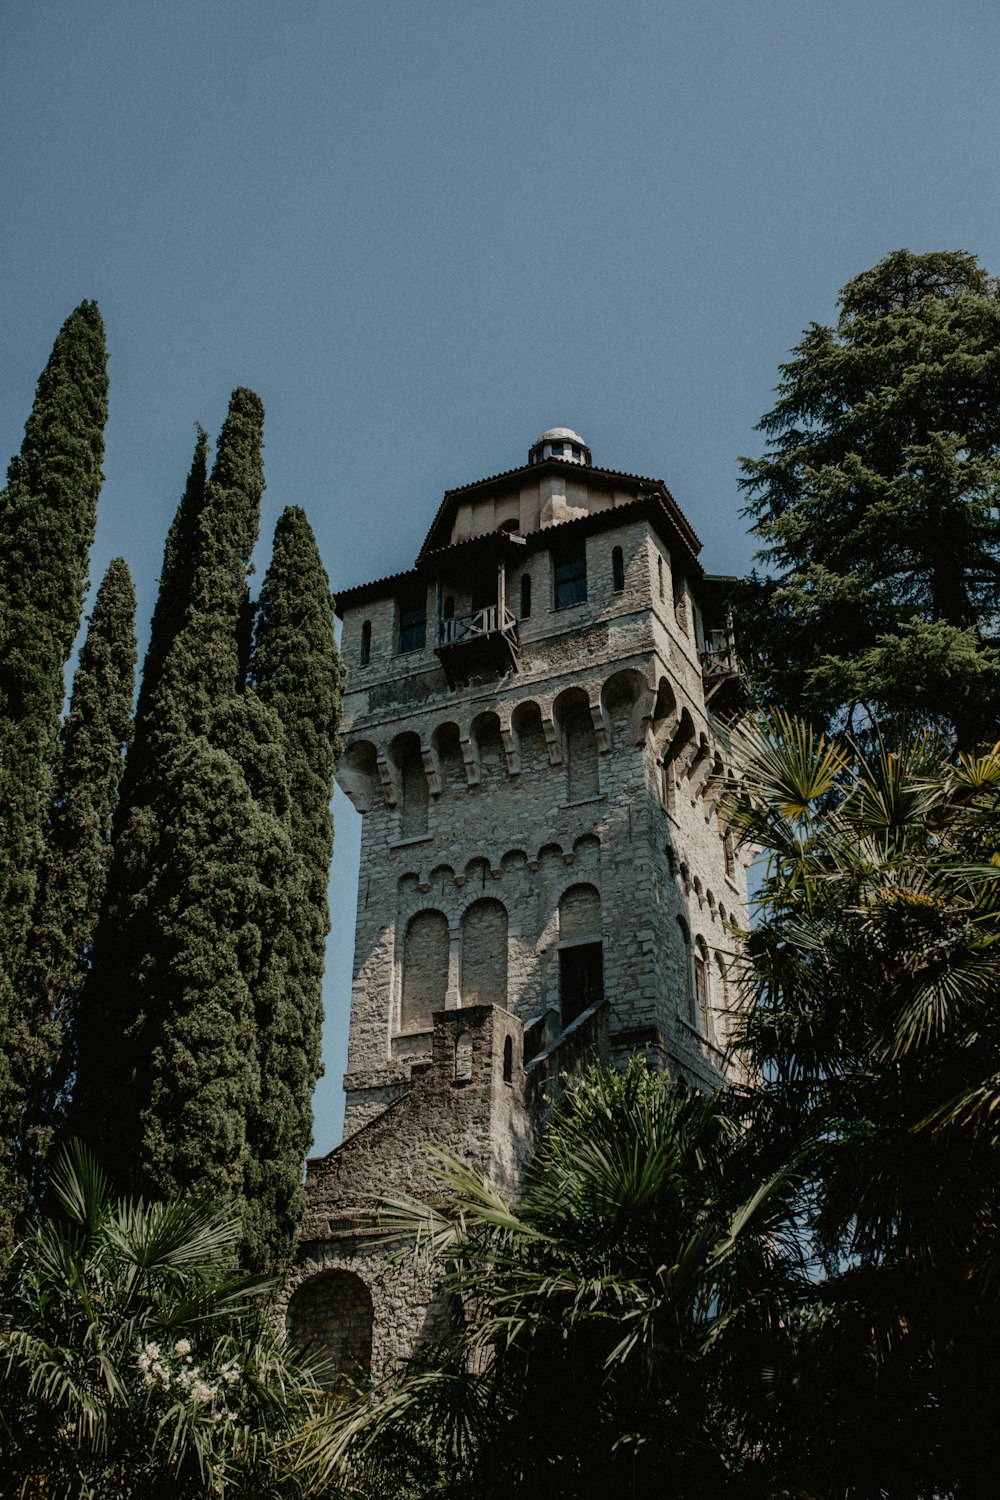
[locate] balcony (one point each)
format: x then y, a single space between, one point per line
483 643
723 676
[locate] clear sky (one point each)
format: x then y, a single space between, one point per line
425 230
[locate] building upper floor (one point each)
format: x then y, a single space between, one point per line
512 560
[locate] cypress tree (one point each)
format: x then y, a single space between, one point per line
219 886
296 671
165 909
47 518
74 870
48 512
173 597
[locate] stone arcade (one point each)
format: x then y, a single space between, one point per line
534 734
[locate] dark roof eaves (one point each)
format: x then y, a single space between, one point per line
595 520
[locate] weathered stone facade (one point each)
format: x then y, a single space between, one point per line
530 735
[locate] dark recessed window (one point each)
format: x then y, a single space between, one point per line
449 608
617 571
366 643
557 448
525 596
570 578
412 626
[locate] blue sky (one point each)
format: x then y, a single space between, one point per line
426 231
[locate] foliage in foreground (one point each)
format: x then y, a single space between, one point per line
615 1327
873 975
133 1361
792 1292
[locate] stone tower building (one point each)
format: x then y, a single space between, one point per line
534 734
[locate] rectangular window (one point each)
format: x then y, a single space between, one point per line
570 578
581 979
412 626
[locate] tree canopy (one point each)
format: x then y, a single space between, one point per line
876 504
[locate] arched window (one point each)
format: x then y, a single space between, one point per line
463 1057
617 570
425 970
484 953
582 775
729 851
685 1000
366 643
701 987
680 603
525 596
331 1316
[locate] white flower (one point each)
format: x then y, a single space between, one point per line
182 1346
201 1392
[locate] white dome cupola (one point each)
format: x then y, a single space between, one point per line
560 442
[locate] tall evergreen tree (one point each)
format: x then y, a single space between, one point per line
47 519
296 672
165 911
876 504
173 598
74 870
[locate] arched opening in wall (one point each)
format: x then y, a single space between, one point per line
330 1317
484 953
359 774
425 970
581 951
508 1060
414 791
685 1001
720 1017
674 758
729 851
617 570
702 999
579 744
489 747
463 1057
525 596
366 643
451 762
529 737
681 610
625 699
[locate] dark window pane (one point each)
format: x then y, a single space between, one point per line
617 570
571 579
581 979
525 596
366 643
412 627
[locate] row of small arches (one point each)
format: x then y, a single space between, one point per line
585 851
572 730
